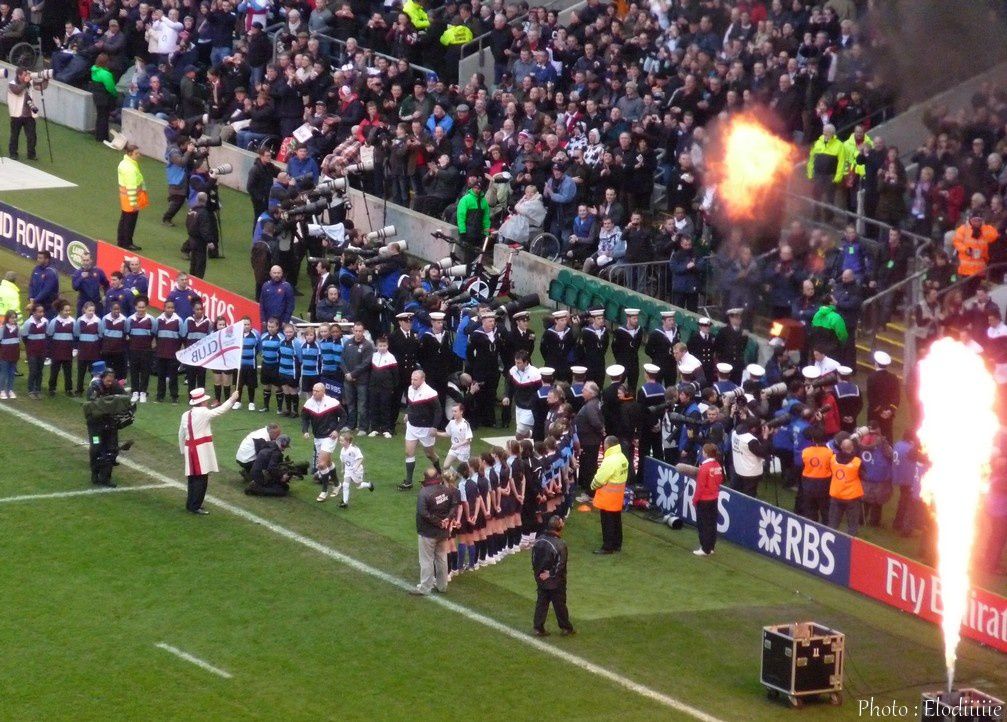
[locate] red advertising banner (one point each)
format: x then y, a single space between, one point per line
217 301
915 588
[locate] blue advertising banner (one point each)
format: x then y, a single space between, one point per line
26 235
756 525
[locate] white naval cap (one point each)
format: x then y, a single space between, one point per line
811 372
882 359
755 371
546 371
577 370
615 370
652 368
845 371
725 368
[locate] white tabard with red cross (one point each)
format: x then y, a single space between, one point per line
195 439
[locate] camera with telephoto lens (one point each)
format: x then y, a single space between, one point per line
676 418
448 293
509 308
382 234
307 209
463 297
40 76
208 142
332 185
777 422
222 169
361 167
386 252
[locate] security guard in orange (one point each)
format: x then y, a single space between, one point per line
816 475
609 485
846 490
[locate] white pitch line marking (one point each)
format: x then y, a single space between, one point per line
364 568
202 664
81 492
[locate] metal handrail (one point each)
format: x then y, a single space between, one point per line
894 287
962 281
342 44
462 51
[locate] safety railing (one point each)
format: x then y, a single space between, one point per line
651 278
476 45
331 42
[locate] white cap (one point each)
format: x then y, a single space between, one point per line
632 312
615 370
577 370
560 314
404 316
845 371
596 312
755 371
725 368
651 368
735 311
667 314
882 359
486 313
437 316
547 371
520 315
705 321
688 366
811 372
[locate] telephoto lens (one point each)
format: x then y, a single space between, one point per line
380 234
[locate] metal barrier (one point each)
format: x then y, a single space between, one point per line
650 278
278 37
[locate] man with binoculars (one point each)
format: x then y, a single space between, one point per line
23 110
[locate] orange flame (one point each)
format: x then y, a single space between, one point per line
752 161
957 432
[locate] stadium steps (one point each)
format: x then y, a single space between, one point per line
889 339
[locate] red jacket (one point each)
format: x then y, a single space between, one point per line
711 475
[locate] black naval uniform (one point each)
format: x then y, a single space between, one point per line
626 350
592 349
483 363
659 348
557 351
850 404
650 395
704 350
883 394
405 347
437 359
729 347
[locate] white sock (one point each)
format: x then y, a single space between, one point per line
346 492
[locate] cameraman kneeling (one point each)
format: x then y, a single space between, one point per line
268 476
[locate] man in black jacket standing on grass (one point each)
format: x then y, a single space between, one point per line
548 562
436 505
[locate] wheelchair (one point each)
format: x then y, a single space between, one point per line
27 53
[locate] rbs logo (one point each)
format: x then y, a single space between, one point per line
796 541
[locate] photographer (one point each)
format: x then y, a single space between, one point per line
199 224
22 110
748 455
260 181
269 478
204 180
178 158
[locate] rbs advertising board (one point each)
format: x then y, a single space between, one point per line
849 562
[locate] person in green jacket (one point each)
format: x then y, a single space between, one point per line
416 14
105 95
10 294
828 329
473 214
827 166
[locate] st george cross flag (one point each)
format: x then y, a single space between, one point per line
220 351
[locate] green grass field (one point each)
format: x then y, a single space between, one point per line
304 604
